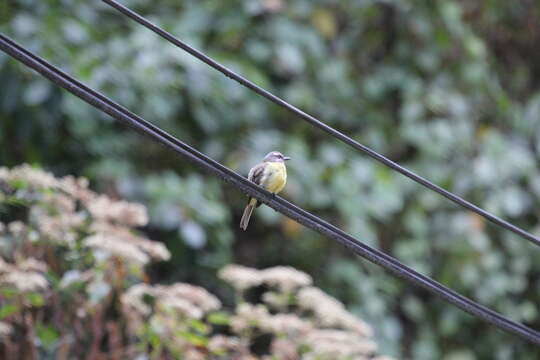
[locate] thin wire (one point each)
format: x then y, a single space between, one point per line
303 217
318 123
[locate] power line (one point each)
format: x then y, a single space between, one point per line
303 217
321 125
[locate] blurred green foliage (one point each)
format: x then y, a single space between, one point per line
447 88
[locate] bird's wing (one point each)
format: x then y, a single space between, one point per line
256 173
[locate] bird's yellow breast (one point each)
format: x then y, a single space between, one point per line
274 177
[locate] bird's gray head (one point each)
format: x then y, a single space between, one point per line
275 156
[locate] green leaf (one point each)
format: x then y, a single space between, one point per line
18 184
194 339
47 335
14 201
8 293
199 326
7 310
35 299
154 340
219 318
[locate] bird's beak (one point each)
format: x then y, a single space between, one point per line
286 158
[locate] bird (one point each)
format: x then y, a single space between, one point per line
271 175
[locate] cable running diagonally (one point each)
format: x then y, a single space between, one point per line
303 217
318 123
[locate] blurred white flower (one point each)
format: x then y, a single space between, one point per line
16 228
337 344
120 241
181 306
5 329
132 299
194 294
156 250
178 301
4 266
24 280
116 247
276 300
76 188
29 175
32 264
222 343
60 228
330 312
284 349
60 202
285 278
104 208
240 277
249 316
286 324
194 354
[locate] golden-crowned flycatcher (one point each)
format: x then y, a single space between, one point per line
271 175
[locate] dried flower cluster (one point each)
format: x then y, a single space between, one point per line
240 277
170 312
66 251
72 257
60 209
329 312
285 278
306 322
183 300
25 276
5 329
338 344
308 325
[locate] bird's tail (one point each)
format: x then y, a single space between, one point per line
247 213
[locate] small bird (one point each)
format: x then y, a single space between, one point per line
271 175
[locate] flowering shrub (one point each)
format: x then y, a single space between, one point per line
71 286
304 321
67 255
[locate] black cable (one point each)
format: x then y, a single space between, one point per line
301 216
316 122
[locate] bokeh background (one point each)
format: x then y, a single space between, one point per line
449 89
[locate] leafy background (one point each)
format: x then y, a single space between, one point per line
447 88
